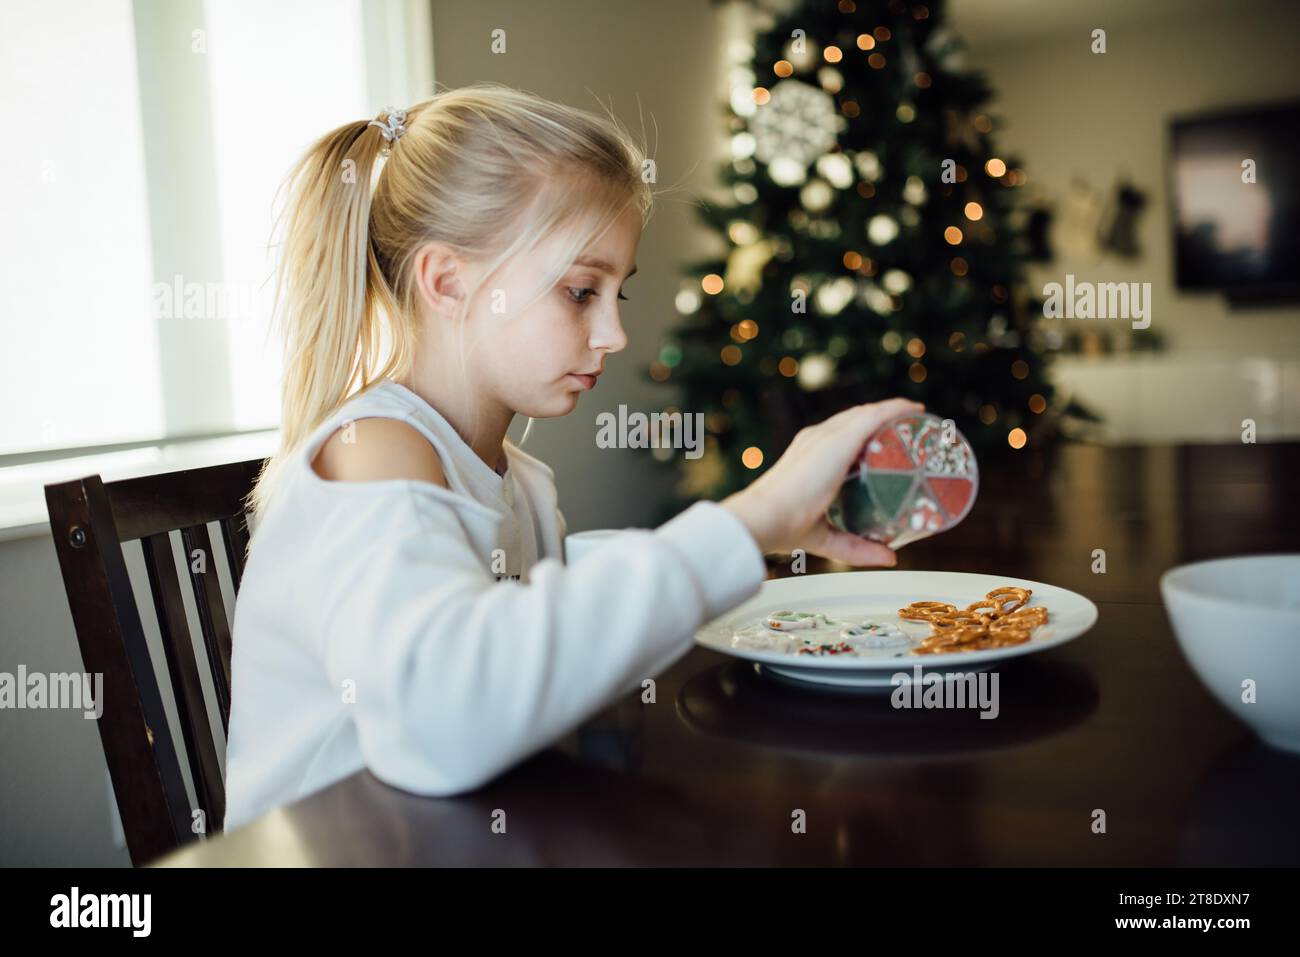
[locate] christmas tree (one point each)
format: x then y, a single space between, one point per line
875 245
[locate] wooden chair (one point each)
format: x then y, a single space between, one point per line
90 520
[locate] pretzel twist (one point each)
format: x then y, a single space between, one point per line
1001 619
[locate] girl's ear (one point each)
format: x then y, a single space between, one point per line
439 276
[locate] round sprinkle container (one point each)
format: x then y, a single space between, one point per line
916 476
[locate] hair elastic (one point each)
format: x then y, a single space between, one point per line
392 128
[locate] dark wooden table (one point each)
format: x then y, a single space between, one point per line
712 772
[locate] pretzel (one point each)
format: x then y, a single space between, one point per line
961 635
1022 618
1009 637
924 610
956 619
1010 597
1001 619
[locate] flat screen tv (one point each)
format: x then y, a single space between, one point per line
1239 237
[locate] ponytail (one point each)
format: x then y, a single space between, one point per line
329 286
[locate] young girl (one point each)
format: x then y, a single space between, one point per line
472 275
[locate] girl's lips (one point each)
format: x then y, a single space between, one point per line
586 381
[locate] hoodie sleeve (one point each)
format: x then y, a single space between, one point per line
459 676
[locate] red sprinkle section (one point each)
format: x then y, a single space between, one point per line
839 648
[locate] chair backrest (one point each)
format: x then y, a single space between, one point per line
90 520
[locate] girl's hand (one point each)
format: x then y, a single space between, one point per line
785 508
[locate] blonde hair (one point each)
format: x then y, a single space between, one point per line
489 170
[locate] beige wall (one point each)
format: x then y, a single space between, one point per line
1068 111
55 805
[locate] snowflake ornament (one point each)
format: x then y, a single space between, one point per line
797 125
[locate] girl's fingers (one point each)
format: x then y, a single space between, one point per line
805 482
870 417
853 549
850 429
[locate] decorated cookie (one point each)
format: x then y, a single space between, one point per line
829 648
876 634
795 620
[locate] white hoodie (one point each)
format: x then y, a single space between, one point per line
372 630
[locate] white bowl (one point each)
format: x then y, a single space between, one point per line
1238 620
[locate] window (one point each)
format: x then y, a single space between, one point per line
137 279
80 353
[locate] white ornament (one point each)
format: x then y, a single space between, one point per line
882 229
741 81
687 301
837 169
742 232
877 300
816 196
787 171
816 371
798 122
804 60
831 79
831 297
896 281
868 164
742 146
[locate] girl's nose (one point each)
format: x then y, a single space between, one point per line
607 333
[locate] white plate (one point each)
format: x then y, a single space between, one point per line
879 594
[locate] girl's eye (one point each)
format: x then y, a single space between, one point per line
576 294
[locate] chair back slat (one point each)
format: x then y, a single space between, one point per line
89 521
202 563
234 531
142 759
200 744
